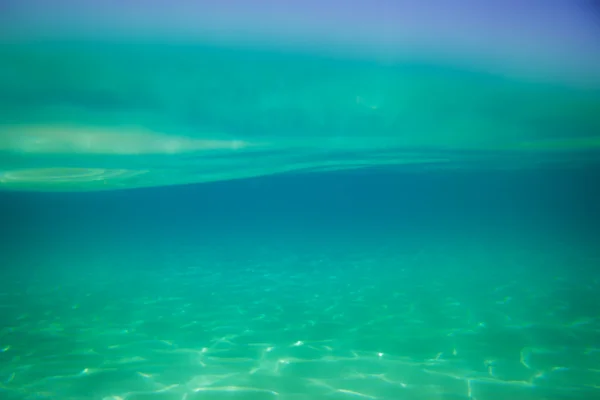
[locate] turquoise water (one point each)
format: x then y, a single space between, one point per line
340 285
186 220
95 115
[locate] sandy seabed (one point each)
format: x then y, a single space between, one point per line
326 322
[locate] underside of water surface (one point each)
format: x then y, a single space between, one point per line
109 114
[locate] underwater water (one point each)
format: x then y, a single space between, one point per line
383 284
115 115
356 209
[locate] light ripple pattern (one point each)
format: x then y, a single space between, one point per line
330 328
